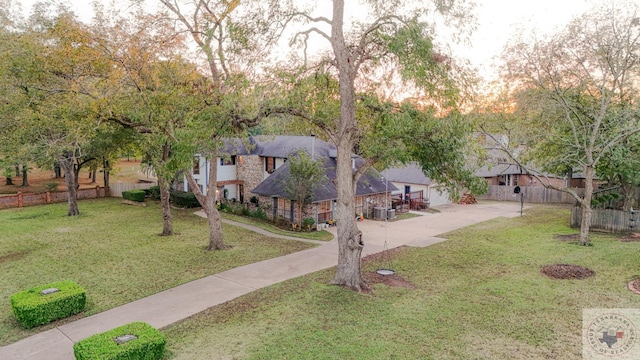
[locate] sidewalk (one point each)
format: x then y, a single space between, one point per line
169 306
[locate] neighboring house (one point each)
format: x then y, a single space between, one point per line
577 180
414 185
256 167
503 171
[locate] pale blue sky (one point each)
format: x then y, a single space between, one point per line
498 20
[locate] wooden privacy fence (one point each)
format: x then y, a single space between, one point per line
531 194
616 221
49 197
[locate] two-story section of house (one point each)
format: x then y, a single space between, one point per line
245 164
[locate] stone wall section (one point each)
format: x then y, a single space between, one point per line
251 171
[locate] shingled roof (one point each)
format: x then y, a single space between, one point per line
280 146
409 174
370 183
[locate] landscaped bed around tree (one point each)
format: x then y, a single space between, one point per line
271 227
114 252
481 294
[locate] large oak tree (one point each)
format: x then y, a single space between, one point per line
394 44
51 73
232 37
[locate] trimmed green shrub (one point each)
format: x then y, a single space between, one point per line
134 195
184 199
33 308
154 192
307 223
259 213
148 344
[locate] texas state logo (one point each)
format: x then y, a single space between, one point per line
610 334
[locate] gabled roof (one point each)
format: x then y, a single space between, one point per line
409 174
499 162
283 145
280 146
499 169
370 183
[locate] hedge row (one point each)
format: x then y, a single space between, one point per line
184 199
146 343
134 195
178 198
154 192
43 304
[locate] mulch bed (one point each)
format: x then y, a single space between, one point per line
389 280
394 280
566 271
569 237
634 286
631 237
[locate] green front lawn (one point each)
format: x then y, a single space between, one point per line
479 295
114 252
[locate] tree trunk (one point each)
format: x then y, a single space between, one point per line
163 184
208 203
216 241
106 168
25 180
350 242
76 175
17 170
585 223
628 192
71 183
300 205
167 223
57 171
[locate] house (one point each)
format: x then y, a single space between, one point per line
501 170
245 164
255 167
371 192
415 188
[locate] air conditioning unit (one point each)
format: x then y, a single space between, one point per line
391 214
379 213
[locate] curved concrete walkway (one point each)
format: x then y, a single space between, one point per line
172 305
